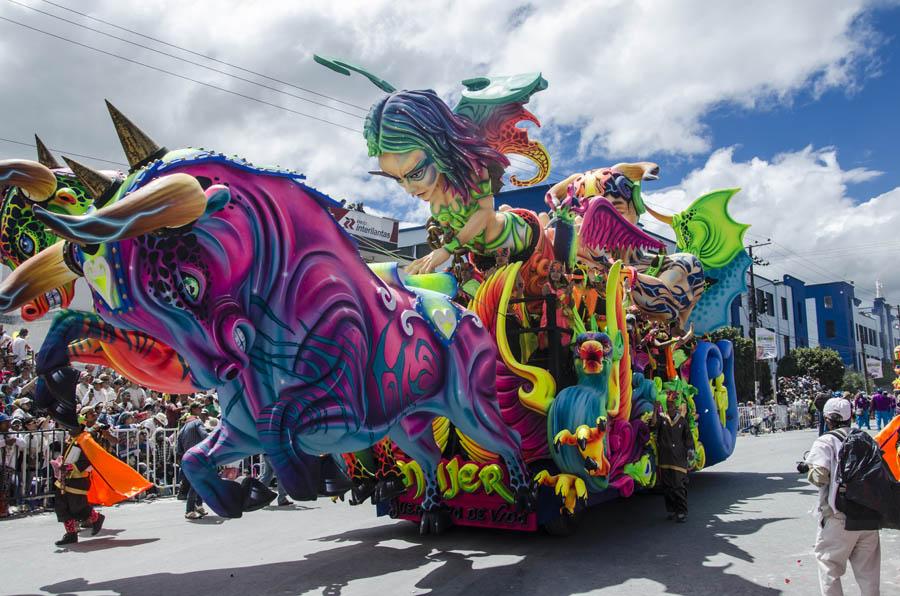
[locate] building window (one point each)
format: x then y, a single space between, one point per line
800 312
829 329
787 344
770 304
784 313
828 303
760 301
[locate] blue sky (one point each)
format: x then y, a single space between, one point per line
862 124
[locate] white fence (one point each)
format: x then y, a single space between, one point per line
30 482
773 418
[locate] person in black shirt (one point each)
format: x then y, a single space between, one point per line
675 451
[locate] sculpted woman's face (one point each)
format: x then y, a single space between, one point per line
415 171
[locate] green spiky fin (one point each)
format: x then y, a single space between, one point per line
482 95
344 68
707 230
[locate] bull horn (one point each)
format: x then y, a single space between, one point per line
139 148
42 273
663 218
99 186
642 170
44 156
168 202
33 178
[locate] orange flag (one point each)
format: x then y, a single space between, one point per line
887 440
112 480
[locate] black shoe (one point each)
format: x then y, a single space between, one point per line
681 518
285 502
670 517
68 538
97 525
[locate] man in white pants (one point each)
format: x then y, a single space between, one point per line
835 545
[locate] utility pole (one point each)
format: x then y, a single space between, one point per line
754 315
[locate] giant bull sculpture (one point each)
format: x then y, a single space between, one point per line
245 274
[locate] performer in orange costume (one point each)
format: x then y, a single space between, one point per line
87 475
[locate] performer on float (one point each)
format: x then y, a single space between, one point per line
455 171
86 476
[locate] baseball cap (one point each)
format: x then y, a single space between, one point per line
3 417
839 406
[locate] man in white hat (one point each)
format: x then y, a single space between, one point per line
834 544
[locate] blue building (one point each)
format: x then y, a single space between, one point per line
835 305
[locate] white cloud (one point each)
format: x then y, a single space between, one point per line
628 78
801 199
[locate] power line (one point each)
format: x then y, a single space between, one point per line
118 163
180 76
185 60
183 49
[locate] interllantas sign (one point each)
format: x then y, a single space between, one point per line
366 225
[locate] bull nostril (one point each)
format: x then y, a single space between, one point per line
231 374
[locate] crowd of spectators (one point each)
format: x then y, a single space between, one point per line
803 398
123 415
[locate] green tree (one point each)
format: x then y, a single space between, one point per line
787 366
823 364
853 382
743 361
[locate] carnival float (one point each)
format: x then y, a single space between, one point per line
511 390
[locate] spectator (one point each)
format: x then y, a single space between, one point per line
861 407
5 340
173 411
821 399
10 445
191 434
20 350
883 404
132 396
83 388
21 407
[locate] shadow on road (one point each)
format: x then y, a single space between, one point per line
617 541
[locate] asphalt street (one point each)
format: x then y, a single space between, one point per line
750 531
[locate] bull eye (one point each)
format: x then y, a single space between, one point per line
26 244
191 287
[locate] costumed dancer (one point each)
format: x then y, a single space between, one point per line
675 447
88 475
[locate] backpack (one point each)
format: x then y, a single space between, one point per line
867 492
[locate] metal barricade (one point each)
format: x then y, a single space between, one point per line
164 467
152 454
32 483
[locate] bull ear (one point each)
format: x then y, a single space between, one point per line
642 170
33 178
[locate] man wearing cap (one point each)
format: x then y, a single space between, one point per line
10 445
192 433
834 544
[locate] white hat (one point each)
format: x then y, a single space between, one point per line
839 406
